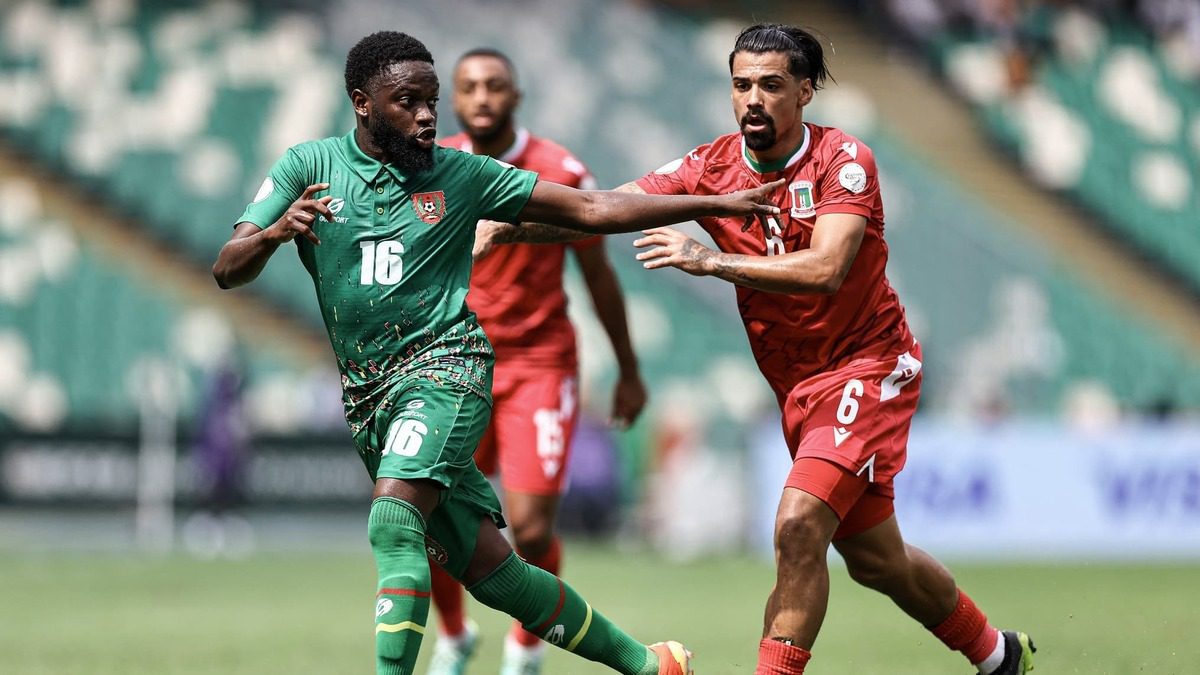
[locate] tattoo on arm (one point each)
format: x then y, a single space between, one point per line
695 252
726 268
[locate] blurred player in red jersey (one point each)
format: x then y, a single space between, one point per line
830 336
517 293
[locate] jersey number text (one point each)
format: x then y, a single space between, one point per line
775 240
381 263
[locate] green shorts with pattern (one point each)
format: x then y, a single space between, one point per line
430 430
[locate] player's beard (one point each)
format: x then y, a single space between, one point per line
760 140
400 149
487 136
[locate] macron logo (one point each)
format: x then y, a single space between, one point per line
851 149
840 434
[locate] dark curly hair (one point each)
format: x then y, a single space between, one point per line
379 50
806 58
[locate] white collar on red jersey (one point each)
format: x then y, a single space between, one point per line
512 153
796 156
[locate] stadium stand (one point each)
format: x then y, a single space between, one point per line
1097 101
172 111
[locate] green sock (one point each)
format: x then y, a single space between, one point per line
552 610
397 533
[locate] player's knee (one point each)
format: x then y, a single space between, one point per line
394 524
873 574
876 570
799 539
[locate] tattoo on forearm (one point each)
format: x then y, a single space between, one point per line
727 270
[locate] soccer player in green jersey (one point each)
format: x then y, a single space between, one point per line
384 221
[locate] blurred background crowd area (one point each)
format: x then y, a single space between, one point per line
1038 163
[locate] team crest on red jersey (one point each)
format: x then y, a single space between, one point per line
430 206
803 205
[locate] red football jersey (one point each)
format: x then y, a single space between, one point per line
517 289
796 336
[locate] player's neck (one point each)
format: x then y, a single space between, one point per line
775 157
367 144
497 145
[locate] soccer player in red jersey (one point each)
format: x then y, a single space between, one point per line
517 294
830 336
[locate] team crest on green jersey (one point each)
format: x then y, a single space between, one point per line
802 199
430 206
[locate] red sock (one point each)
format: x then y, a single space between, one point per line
448 598
550 561
777 658
967 630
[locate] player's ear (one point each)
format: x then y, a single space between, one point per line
806 91
361 103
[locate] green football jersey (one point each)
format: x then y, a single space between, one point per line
392 272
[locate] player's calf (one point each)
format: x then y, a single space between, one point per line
397 534
549 608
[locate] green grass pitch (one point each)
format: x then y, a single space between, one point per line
313 614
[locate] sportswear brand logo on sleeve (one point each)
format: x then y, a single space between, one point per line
803 205
853 177
430 206
851 149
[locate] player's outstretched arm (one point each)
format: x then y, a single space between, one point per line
819 269
568 214
490 233
626 210
243 257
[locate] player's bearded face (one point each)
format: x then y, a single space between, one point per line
485 134
401 117
404 151
763 135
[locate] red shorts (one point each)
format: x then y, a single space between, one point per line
533 420
854 421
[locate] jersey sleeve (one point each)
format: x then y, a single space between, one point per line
851 182
503 190
677 177
283 185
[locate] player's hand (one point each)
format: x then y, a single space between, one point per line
755 201
629 397
485 238
669 247
301 216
